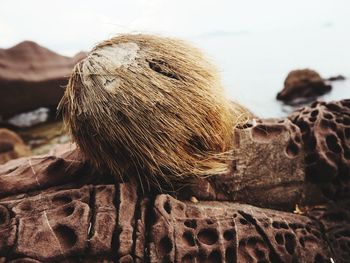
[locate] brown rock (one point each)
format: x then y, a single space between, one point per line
231 232
76 221
302 85
37 172
335 218
325 131
11 146
55 208
267 170
32 76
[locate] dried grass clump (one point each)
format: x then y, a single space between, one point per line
154 104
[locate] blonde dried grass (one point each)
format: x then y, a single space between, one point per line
163 112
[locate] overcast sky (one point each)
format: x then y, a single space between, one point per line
68 26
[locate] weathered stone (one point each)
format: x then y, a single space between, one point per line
87 217
231 232
267 168
325 131
37 172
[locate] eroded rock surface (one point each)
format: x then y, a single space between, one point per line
228 232
56 208
95 223
82 219
302 85
325 131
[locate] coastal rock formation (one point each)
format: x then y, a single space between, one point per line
325 131
32 76
58 208
302 85
79 220
11 146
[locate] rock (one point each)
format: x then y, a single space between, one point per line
335 218
336 78
302 85
231 232
80 224
31 77
36 172
268 163
57 208
11 146
325 131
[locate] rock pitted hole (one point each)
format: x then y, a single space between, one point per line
208 236
279 225
167 207
229 235
61 199
230 254
332 143
314 113
66 236
243 221
188 238
209 221
328 116
214 257
191 223
165 246
163 68
4 215
252 241
292 149
290 243
260 254
69 210
279 239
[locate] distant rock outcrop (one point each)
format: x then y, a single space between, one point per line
32 76
303 85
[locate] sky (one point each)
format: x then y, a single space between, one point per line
68 26
254 43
